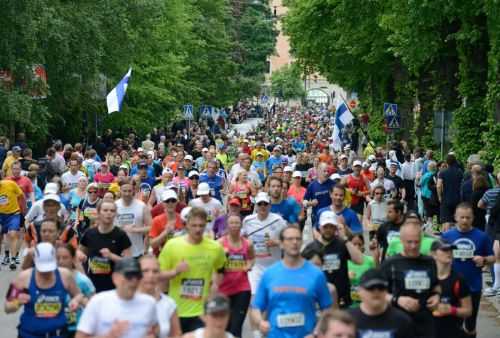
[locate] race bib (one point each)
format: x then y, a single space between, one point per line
417 280
463 254
4 200
90 213
355 294
375 334
290 320
235 262
392 235
192 288
100 266
260 247
125 219
331 262
47 306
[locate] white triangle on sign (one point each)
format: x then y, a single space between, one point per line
394 123
390 111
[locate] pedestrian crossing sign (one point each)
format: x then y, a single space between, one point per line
188 112
392 116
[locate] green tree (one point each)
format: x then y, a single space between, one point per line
286 83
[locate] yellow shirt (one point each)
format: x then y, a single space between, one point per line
190 289
263 151
9 193
7 165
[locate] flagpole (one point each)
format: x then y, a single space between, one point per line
365 133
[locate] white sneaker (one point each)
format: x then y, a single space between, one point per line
490 292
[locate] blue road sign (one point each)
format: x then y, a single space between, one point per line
264 99
392 116
188 112
206 111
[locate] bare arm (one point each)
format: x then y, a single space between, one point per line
175 325
355 253
439 189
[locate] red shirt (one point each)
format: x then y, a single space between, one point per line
24 183
356 183
158 225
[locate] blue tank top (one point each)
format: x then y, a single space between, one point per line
44 313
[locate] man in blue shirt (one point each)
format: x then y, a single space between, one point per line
288 208
215 182
317 194
474 251
350 218
289 292
275 160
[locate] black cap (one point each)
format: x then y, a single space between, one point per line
442 245
218 303
128 266
374 278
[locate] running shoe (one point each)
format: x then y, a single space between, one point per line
6 260
13 265
490 292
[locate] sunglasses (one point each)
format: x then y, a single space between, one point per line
171 200
194 178
377 287
260 204
92 192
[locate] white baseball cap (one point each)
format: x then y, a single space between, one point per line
51 188
203 189
193 173
357 163
167 171
288 169
188 157
204 150
343 156
51 197
168 195
328 217
45 257
262 197
297 173
335 177
184 213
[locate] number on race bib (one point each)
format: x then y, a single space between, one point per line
290 320
192 288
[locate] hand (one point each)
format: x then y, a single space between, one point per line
408 303
23 298
433 302
105 252
479 261
80 256
314 202
341 232
181 267
118 328
264 327
74 304
271 242
442 310
128 228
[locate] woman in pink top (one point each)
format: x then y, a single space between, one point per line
103 178
235 284
297 192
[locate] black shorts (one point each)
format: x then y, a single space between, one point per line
447 213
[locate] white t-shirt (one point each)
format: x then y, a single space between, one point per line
165 308
36 213
213 208
106 307
132 214
264 256
71 180
386 183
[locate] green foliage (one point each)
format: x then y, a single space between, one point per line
180 51
286 83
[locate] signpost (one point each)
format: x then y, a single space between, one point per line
188 115
392 116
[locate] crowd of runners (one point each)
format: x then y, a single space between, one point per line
191 232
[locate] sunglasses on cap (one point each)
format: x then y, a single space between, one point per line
194 177
171 200
260 204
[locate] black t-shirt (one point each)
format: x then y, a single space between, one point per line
393 323
335 257
416 278
452 180
453 289
398 183
385 232
98 268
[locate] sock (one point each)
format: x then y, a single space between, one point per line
496 271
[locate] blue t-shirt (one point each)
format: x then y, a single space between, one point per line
320 192
472 243
88 290
289 209
272 161
150 171
289 296
215 183
350 217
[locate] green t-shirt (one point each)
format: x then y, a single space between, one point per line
190 289
355 273
396 247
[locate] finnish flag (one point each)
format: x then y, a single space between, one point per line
115 96
342 118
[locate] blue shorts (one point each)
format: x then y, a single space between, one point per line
10 222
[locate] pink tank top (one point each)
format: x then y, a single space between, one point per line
235 274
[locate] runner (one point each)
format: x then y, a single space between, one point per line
235 284
375 317
216 317
263 229
113 313
103 246
192 263
413 281
318 193
390 229
288 299
456 302
287 208
214 181
71 177
166 309
166 225
474 251
42 291
337 324
133 217
11 207
358 188
357 270
337 250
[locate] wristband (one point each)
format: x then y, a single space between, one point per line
453 311
394 300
